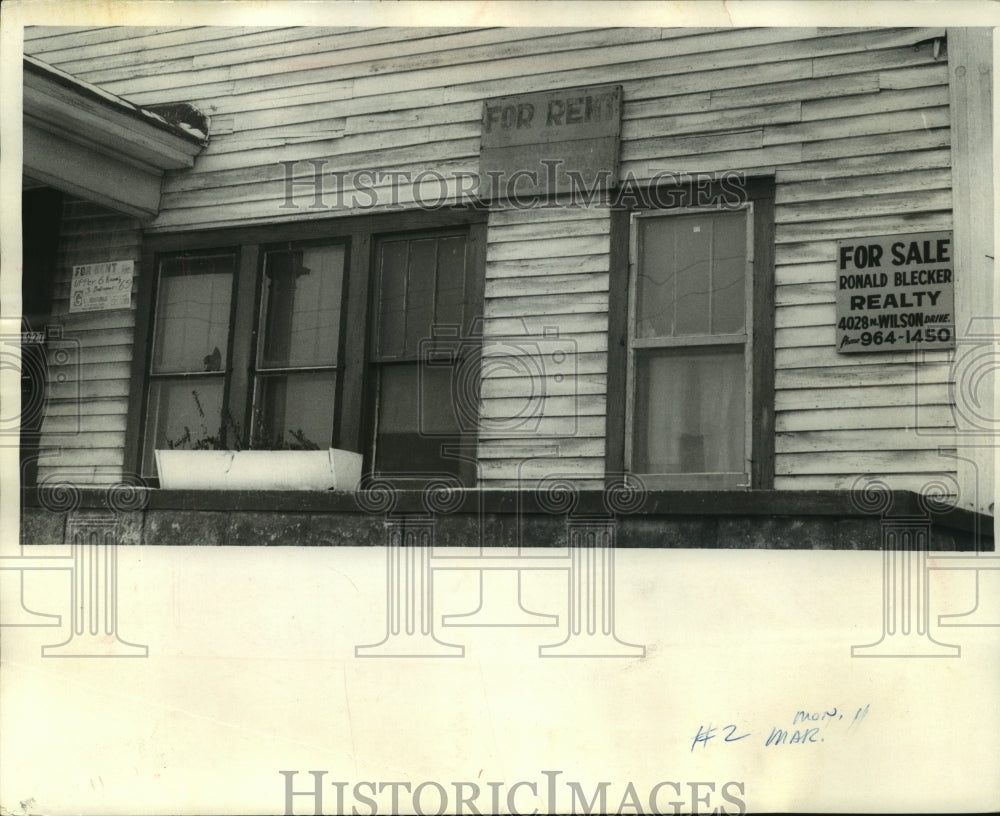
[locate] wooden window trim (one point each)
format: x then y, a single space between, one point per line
475 293
759 192
722 479
357 233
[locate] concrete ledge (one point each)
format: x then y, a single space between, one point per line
261 528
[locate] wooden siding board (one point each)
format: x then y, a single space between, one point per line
874 225
819 357
564 228
580 264
824 189
914 77
556 247
880 59
501 385
796 90
886 101
736 118
875 396
855 462
846 375
857 125
899 141
854 440
891 204
762 161
932 418
548 285
862 166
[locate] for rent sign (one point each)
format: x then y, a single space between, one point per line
550 142
100 286
895 293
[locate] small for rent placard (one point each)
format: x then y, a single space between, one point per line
101 286
895 293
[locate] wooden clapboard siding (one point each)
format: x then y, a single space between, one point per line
852 124
825 441
551 295
86 410
861 461
799 357
930 420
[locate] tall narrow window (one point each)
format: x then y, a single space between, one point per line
297 351
187 376
421 295
689 360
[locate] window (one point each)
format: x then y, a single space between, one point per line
287 402
689 357
296 368
422 312
696 346
257 339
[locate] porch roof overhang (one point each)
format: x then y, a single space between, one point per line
81 139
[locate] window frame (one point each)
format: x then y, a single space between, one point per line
471 323
759 362
721 480
251 242
258 372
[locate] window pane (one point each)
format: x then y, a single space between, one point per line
392 298
184 413
655 282
413 428
420 286
192 314
691 271
302 301
690 411
450 281
729 266
296 411
692 262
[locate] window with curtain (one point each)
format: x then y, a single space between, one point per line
689 348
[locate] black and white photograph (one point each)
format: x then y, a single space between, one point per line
498 408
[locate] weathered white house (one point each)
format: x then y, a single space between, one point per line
743 272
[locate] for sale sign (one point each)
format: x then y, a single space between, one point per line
895 293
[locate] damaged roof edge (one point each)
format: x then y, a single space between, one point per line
179 119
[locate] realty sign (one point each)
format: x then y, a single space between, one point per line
895 293
100 286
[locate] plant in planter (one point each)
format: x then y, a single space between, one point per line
204 462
